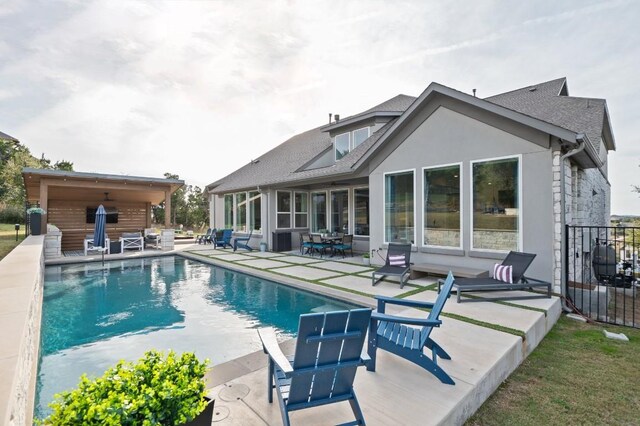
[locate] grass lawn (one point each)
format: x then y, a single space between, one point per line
8 238
576 376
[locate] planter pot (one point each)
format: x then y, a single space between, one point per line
205 418
366 261
35 223
263 247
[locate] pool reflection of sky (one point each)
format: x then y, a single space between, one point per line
94 316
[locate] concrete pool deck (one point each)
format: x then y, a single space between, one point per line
487 342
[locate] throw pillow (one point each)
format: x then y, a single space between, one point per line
503 273
397 260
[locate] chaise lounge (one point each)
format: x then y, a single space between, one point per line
519 263
397 264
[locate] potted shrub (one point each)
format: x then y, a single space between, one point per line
35 220
366 259
157 389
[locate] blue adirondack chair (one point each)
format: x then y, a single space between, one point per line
242 242
328 352
393 334
224 239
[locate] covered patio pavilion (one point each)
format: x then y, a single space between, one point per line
68 197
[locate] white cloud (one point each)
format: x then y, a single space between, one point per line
200 88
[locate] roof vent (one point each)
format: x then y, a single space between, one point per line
533 89
337 116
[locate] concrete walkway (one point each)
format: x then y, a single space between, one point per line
487 342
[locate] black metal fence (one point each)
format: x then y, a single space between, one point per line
603 273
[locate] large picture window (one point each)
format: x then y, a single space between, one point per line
361 208
340 211
496 207
399 207
228 211
442 206
283 203
318 211
255 212
241 212
301 210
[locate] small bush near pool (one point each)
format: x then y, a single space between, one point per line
157 389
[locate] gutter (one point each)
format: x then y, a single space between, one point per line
580 140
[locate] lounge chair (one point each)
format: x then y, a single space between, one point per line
394 334
397 264
89 247
328 352
520 263
208 239
131 240
344 245
223 238
202 238
242 242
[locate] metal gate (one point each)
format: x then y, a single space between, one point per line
602 273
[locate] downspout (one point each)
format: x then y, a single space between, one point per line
563 219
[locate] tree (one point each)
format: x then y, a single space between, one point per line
188 206
13 158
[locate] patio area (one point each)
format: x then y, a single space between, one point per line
487 341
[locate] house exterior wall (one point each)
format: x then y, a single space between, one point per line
444 136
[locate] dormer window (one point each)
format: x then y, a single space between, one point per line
345 142
342 145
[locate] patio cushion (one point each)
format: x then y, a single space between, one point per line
503 273
397 260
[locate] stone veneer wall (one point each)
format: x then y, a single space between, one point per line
587 203
21 281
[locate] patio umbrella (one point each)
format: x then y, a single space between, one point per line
98 233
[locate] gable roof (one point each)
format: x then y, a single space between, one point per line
550 102
548 108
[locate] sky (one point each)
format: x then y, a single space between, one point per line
200 88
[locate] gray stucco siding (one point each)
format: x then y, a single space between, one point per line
442 136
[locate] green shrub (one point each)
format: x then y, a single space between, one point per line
11 214
156 390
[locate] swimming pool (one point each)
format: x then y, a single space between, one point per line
93 316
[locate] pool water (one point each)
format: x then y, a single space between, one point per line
95 315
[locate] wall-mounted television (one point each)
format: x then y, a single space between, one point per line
112 214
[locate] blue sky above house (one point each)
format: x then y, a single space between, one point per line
201 88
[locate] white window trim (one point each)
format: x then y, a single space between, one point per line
259 232
334 144
297 212
384 201
353 212
330 205
326 207
422 213
233 211
352 142
289 212
236 205
520 207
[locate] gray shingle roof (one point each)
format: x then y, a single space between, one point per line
548 102
282 164
542 101
5 136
